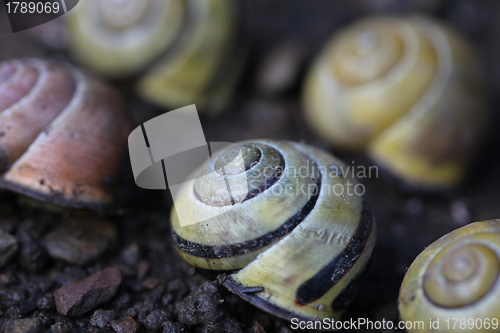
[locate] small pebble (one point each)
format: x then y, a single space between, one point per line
13 295
155 319
256 328
27 325
459 212
60 327
7 279
125 325
150 283
143 309
79 241
171 327
206 307
8 247
27 306
191 271
46 303
131 255
77 297
143 269
102 318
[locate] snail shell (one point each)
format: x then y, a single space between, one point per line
455 277
274 211
61 133
183 46
408 91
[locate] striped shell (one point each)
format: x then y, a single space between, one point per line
187 49
275 211
406 90
61 133
456 277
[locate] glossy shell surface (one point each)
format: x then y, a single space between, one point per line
62 133
183 51
456 277
275 211
408 91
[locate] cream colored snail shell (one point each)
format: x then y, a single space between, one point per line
186 51
455 277
274 210
406 90
62 133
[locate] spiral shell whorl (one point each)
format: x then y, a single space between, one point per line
455 277
182 51
283 216
408 91
118 38
61 133
120 14
250 169
366 56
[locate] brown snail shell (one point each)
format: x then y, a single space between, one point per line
62 133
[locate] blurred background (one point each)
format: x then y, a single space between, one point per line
283 37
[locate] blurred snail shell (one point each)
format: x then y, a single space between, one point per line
62 133
455 277
274 210
185 48
408 91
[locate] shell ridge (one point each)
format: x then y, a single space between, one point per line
226 251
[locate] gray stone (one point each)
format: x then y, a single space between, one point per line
60 327
172 327
206 309
79 241
11 295
131 255
102 318
154 319
27 325
46 303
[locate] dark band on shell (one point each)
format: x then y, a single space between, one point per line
298 252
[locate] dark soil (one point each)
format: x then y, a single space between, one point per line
158 292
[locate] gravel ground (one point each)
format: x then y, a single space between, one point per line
74 272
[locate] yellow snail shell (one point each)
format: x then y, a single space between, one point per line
455 277
299 243
187 49
62 133
406 90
